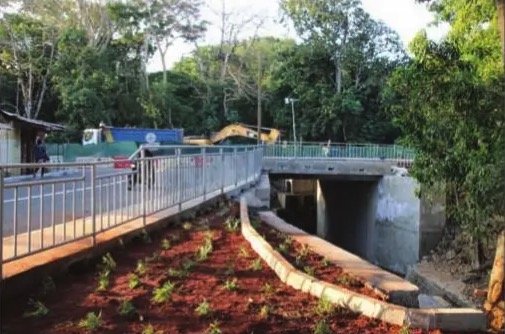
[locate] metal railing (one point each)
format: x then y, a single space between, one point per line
37 214
396 154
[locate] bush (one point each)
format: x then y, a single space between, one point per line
133 281
232 224
231 285
214 328
103 280
141 268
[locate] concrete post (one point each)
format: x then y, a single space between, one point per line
322 214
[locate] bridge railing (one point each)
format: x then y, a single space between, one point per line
39 213
400 155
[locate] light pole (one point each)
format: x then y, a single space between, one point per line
289 100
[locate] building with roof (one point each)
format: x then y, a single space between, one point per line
18 134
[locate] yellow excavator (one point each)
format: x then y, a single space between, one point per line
267 135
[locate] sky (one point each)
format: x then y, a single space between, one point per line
406 17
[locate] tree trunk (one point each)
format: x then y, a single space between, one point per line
495 304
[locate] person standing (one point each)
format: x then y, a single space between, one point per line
40 154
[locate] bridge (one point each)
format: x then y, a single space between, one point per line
81 205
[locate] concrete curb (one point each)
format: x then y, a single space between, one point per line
443 319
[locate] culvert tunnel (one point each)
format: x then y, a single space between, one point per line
377 218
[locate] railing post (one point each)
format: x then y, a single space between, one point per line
221 153
204 172
179 177
247 165
144 183
92 202
235 165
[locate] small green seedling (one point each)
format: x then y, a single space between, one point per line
203 309
284 248
103 280
304 251
243 252
309 270
232 224
256 265
149 329
265 311
108 263
48 286
91 322
153 258
146 238
203 252
39 310
133 281
325 262
231 285
214 328
163 294
177 273
126 309
404 330
267 289
324 307
187 226
322 327
165 244
188 264
141 268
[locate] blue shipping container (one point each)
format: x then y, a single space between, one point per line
163 136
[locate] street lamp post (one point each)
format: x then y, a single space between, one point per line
289 100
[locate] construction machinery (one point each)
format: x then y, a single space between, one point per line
267 135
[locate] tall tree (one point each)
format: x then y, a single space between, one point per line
28 52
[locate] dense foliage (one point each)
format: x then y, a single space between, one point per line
448 103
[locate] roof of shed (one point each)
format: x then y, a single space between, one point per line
32 122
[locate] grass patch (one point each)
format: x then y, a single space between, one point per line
91 321
164 293
203 309
38 309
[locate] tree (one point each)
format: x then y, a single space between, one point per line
170 20
28 52
448 106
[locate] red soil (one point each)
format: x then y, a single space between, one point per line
236 311
305 260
